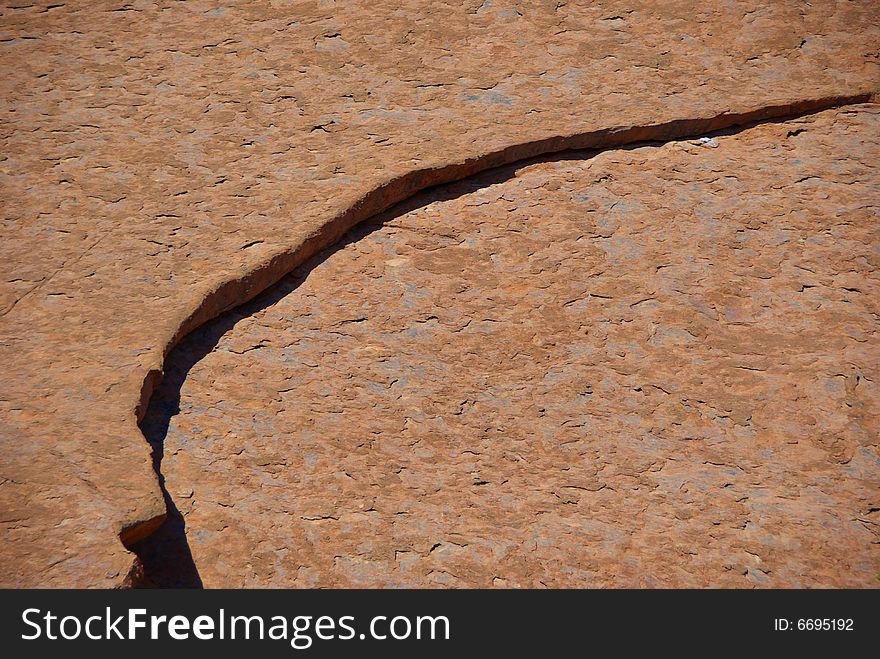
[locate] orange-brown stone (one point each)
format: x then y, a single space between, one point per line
644 367
163 161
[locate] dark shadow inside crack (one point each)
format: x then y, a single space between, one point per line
165 556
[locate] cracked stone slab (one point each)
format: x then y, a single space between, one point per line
654 366
165 161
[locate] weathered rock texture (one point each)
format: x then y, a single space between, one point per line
654 366
163 161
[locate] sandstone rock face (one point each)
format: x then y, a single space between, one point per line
654 366
165 161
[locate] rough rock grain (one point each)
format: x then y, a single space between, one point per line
164 161
653 366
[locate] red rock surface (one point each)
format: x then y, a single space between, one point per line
645 367
164 161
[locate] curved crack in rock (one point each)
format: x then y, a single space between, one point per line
233 292
193 159
648 415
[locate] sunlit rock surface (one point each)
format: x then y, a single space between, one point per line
653 366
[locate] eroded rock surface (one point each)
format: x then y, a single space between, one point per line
654 366
163 161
